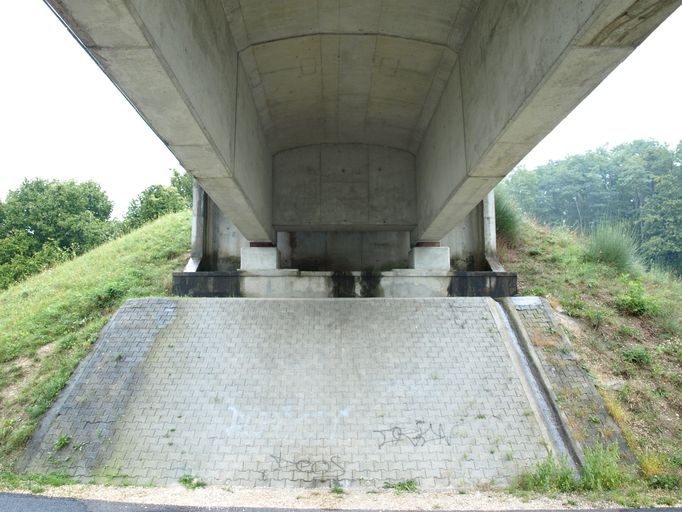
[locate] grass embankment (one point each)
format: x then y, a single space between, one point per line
626 326
49 322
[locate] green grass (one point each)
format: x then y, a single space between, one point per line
49 322
613 244
33 482
192 482
637 355
550 475
337 490
635 302
404 486
626 329
62 442
508 218
602 470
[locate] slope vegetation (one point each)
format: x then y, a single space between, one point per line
626 327
49 322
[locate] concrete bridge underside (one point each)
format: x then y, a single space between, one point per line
391 119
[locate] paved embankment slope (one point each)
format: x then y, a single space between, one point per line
296 393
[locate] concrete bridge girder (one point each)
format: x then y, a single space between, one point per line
444 96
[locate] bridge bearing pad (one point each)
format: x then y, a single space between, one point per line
296 393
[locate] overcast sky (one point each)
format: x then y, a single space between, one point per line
63 119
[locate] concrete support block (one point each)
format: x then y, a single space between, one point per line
259 258
430 258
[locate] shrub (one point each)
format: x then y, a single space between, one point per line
613 244
637 355
508 218
573 305
596 317
602 471
550 475
667 482
635 302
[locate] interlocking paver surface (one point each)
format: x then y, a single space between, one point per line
296 393
577 398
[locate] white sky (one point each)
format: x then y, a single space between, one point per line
61 117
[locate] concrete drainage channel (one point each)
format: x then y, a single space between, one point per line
557 429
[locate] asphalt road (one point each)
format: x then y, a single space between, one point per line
29 503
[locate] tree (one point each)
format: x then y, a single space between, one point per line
151 203
183 183
73 216
638 184
662 218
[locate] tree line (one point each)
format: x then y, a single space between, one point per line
638 184
44 222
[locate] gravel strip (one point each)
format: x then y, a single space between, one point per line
221 496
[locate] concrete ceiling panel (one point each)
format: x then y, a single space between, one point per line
429 20
270 20
347 71
350 16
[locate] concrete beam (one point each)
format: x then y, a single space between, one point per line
177 64
522 68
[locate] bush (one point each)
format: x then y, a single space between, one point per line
602 471
637 355
635 302
667 482
508 218
613 244
596 317
550 475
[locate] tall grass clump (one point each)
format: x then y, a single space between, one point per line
550 475
613 244
602 470
508 218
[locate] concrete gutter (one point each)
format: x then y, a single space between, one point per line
573 446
